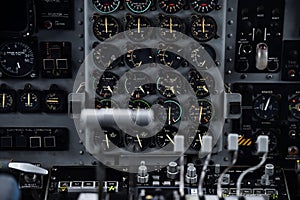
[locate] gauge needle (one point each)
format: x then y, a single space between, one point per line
140 63
200 139
107 142
138 138
139 25
28 99
52 101
18 64
3 100
200 114
267 104
141 88
106 29
205 88
170 139
203 25
109 89
171 25
169 115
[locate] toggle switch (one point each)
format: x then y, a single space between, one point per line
261 56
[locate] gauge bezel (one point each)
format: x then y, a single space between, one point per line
135 11
103 12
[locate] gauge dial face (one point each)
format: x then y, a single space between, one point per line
168 58
138 142
266 107
194 138
204 28
170 84
105 104
105 27
6 101
294 107
138 6
171 6
55 101
137 84
173 112
166 136
29 101
204 6
106 6
138 57
138 28
16 59
272 138
171 28
111 139
198 58
139 104
106 56
203 112
107 84
198 84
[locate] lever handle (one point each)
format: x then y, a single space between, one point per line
261 56
27 167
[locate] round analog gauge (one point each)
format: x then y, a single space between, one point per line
139 104
105 104
138 57
294 107
107 84
138 85
6 101
171 28
204 28
106 6
204 6
16 59
138 142
168 58
173 112
111 139
55 101
194 138
171 6
203 112
138 28
106 56
166 136
198 84
138 6
266 107
198 58
105 27
272 138
29 101
170 84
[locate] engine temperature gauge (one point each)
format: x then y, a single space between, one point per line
204 6
106 6
138 6
294 107
171 6
105 27
170 27
204 28
138 28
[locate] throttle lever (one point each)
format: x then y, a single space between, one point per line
23 167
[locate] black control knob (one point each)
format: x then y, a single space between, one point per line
242 65
273 65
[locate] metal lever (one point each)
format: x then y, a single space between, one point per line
28 168
261 56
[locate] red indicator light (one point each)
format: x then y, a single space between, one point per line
204 4
171 4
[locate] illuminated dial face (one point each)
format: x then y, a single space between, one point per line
198 84
204 28
137 57
106 56
168 58
6 101
55 101
136 85
166 136
203 112
204 6
107 84
194 138
138 28
266 107
105 104
138 6
29 101
105 27
171 27
106 6
137 142
294 107
173 112
16 59
171 6
170 84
